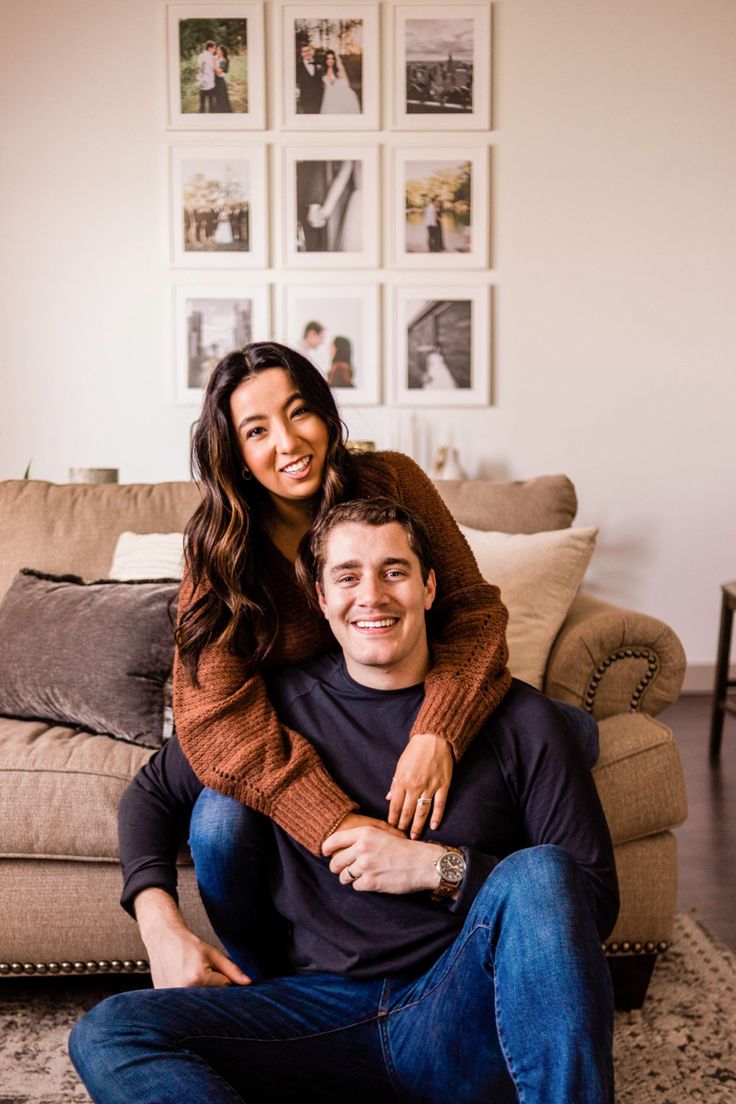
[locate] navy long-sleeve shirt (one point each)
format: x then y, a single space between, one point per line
522 782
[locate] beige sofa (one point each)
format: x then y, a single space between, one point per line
59 877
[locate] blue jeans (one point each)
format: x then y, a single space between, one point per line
518 1008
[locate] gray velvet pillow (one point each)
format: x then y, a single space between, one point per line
96 656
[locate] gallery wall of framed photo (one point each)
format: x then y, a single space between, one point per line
329 170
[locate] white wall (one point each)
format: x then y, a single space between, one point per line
614 249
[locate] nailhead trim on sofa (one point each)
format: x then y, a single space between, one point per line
112 967
627 948
623 653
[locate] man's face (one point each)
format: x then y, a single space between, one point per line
374 598
307 54
315 339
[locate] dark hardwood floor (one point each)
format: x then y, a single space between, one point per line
707 840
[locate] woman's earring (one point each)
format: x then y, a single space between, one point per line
247 474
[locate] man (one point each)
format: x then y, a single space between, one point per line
205 77
312 345
432 225
309 74
422 971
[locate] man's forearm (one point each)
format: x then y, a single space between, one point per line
178 957
157 913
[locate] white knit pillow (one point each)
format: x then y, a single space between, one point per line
539 575
148 556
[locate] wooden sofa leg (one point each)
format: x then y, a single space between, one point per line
630 975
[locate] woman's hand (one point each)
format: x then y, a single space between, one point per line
423 772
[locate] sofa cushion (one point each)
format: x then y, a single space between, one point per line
73 528
520 506
148 556
539 575
639 777
61 789
94 656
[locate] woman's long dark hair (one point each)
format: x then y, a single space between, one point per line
233 603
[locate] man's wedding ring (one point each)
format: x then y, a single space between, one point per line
351 876
424 800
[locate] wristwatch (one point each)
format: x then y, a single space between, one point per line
451 868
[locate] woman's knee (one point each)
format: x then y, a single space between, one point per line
220 824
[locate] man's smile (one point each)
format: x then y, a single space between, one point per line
376 624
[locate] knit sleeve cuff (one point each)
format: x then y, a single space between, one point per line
311 809
451 712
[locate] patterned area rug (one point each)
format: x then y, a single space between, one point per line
680 1048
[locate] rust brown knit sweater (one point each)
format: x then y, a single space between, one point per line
229 730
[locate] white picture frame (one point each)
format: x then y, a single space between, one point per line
456 178
351 33
442 67
218 207
192 107
441 346
230 316
330 212
348 313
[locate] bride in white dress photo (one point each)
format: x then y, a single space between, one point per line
338 97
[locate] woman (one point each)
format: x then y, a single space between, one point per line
224 230
338 97
270 455
341 369
222 66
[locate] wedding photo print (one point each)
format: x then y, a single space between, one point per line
216 66
442 67
442 351
336 328
438 212
218 206
331 206
210 322
330 65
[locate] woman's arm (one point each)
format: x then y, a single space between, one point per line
469 676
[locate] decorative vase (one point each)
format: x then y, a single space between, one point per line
93 475
447 464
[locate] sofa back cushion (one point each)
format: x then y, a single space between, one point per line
73 528
522 506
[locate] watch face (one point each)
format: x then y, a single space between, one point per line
451 867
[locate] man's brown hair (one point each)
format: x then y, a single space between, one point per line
363 511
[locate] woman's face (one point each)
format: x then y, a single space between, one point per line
283 443
330 60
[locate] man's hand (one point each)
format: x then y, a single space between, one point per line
384 862
178 958
424 771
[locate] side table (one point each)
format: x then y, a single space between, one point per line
721 703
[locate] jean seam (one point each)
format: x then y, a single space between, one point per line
440 981
383 1035
288 1039
501 1041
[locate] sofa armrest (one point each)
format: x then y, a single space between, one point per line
610 660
